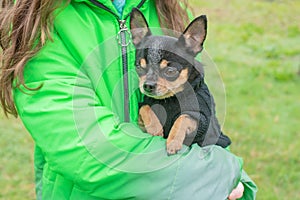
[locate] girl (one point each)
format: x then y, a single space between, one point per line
66 72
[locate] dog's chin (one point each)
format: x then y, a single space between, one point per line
162 92
158 95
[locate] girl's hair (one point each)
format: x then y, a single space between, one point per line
25 26
172 15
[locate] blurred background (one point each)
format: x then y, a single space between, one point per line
255 45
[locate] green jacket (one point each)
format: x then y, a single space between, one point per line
83 119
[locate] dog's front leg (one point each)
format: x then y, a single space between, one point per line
183 125
149 120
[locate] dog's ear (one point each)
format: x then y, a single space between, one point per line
138 26
194 35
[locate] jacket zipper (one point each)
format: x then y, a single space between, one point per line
124 44
122 40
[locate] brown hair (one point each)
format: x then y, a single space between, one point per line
173 14
25 26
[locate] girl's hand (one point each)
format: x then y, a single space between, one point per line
237 192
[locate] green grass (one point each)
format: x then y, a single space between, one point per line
256 46
16 161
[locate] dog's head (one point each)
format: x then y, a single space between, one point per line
166 64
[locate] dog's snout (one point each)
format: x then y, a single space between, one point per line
149 87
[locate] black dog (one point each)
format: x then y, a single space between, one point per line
177 103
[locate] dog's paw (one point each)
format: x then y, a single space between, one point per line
155 130
173 147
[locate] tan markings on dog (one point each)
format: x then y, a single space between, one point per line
163 64
142 80
167 88
143 63
149 121
183 125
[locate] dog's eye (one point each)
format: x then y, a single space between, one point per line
170 72
140 70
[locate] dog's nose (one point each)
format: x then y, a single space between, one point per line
149 87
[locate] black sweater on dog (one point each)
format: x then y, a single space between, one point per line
198 103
